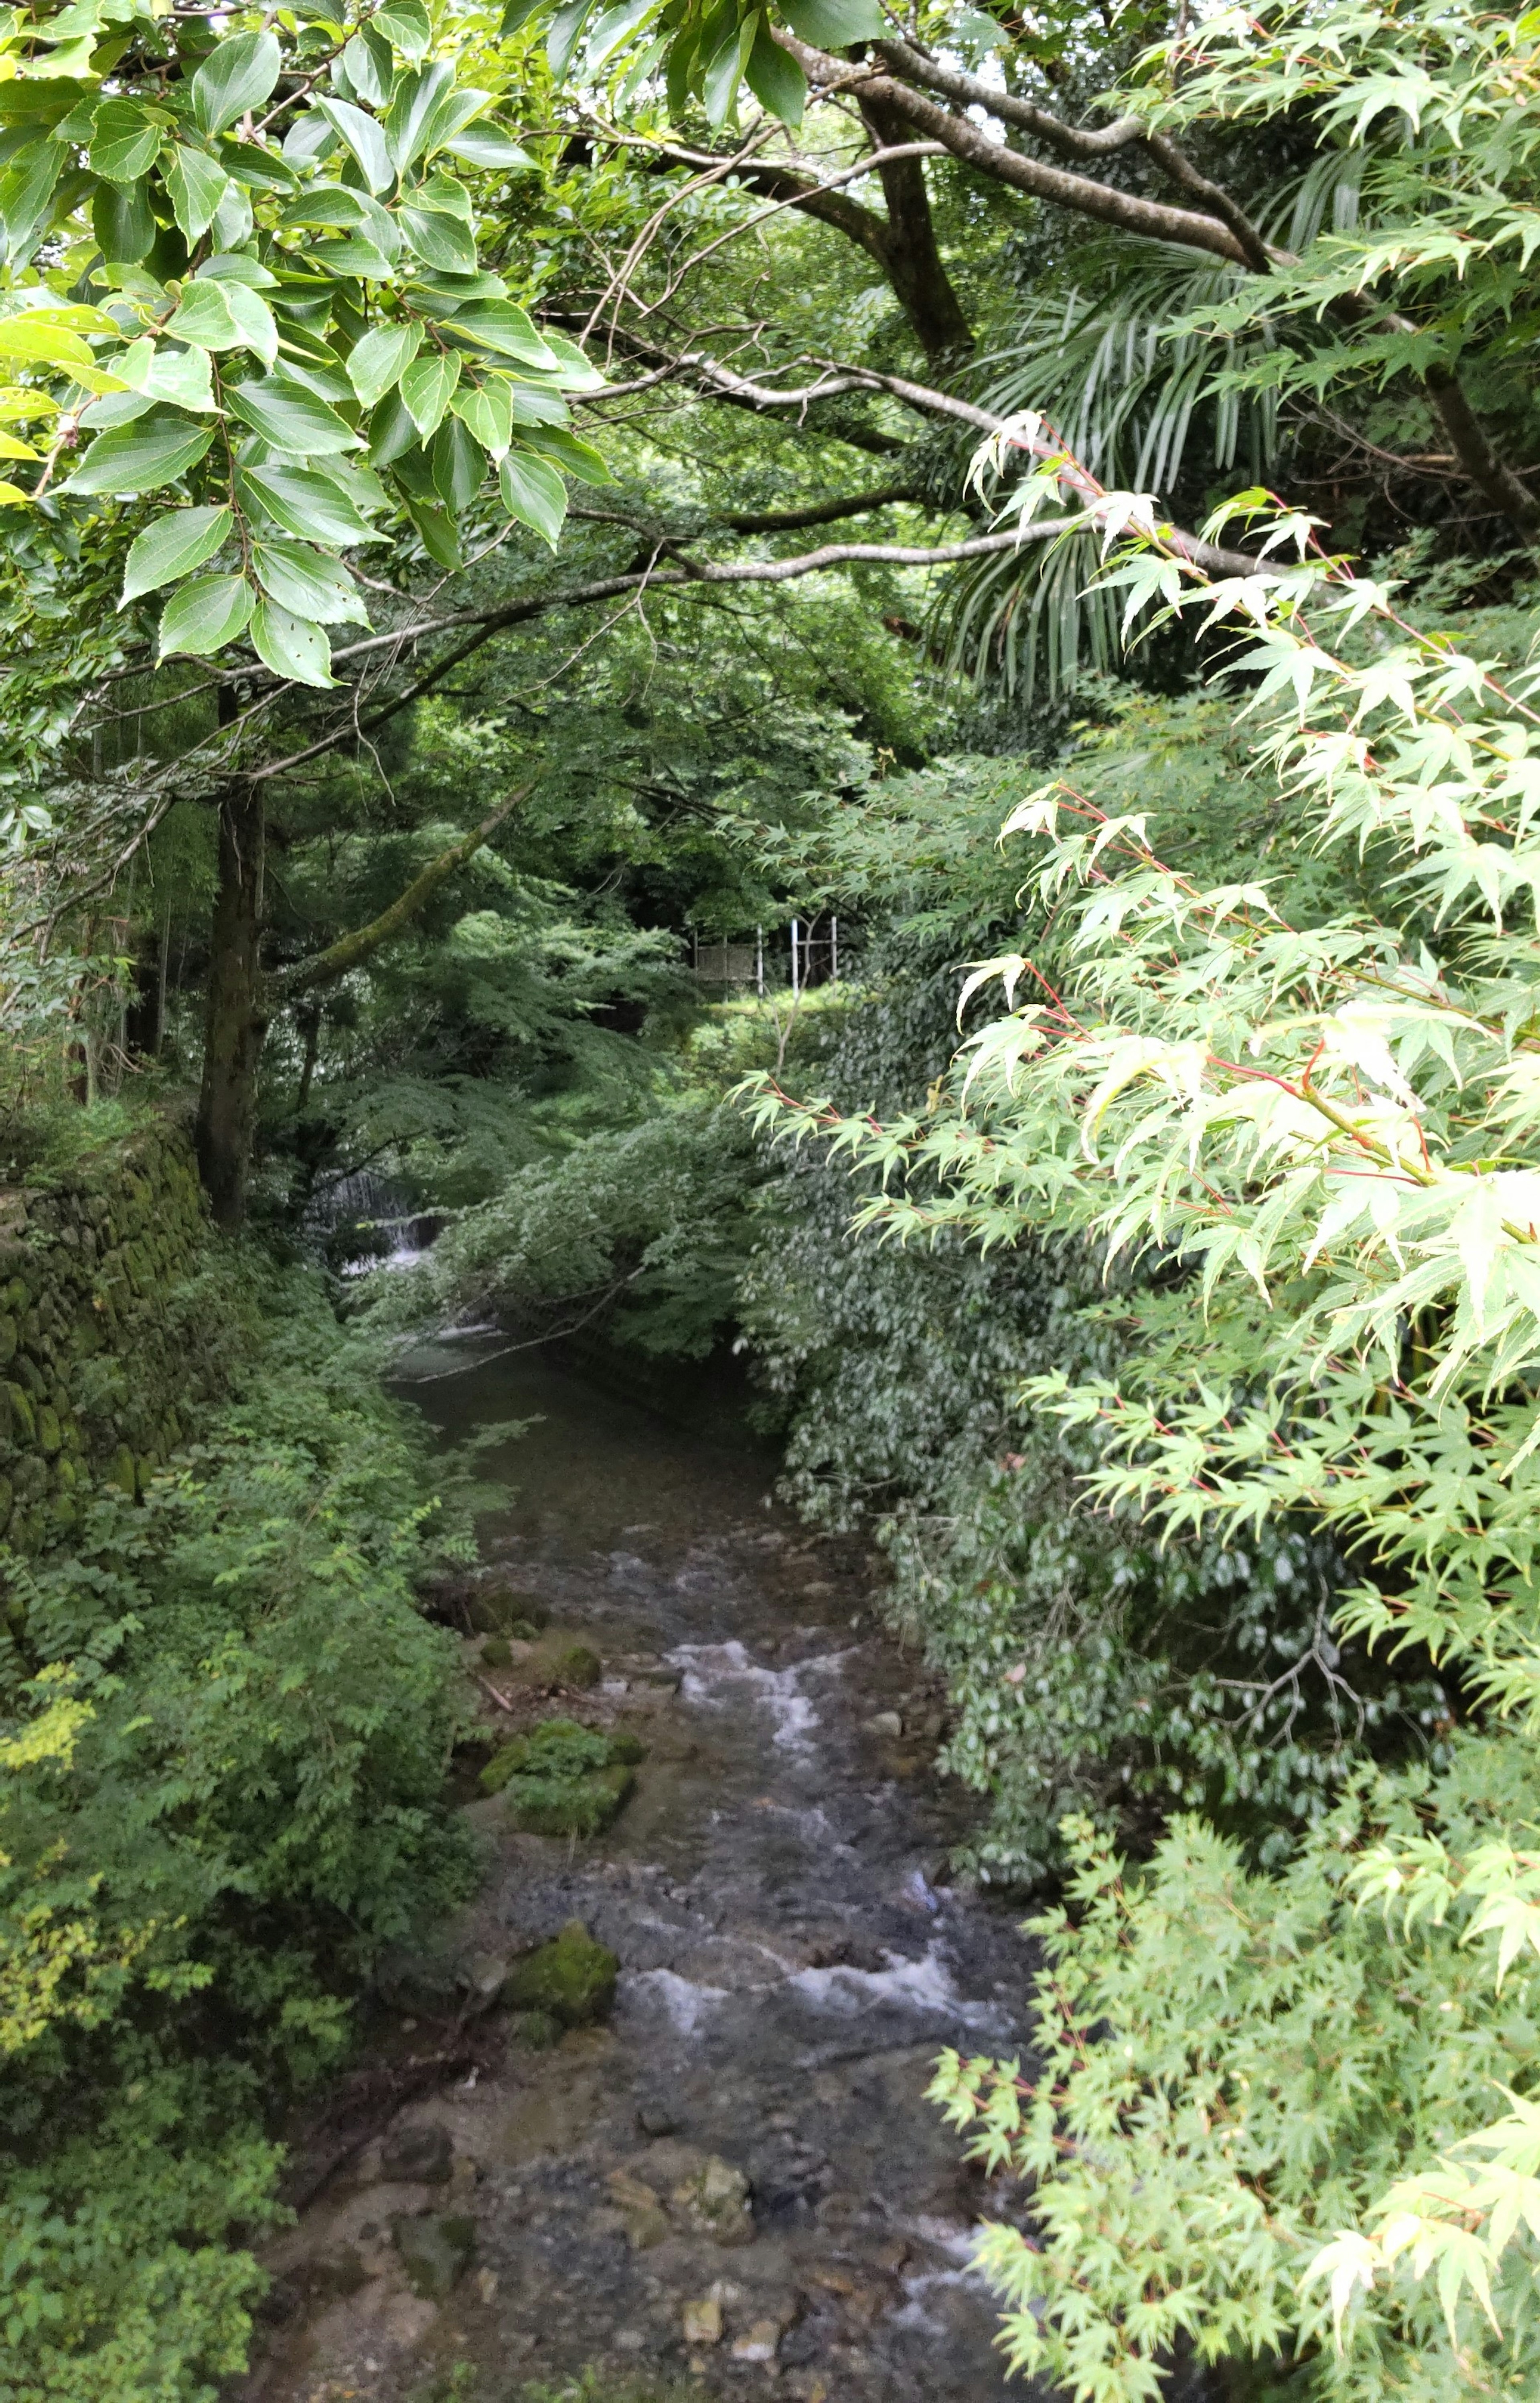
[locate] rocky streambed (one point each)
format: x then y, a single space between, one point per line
683 2137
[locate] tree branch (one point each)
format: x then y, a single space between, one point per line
351 949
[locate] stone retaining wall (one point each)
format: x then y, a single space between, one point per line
100 1355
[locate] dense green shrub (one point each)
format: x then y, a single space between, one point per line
224 1756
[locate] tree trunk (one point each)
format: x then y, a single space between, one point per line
235 1025
912 257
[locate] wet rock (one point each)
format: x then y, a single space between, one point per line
716 2202
412 1979
561 1778
435 2253
884 1723
486 1974
496 1610
420 2155
667 1681
341 2272
572 1978
645 2220
760 2342
656 2120
703 2321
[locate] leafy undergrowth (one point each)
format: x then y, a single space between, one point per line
226 1727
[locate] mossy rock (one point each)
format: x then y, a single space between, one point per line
572 1978
626 1745
521 1631
568 1806
538 2030
578 1666
496 1652
497 1610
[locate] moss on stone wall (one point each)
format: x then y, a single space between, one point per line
105 1349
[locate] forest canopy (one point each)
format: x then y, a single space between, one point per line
502 511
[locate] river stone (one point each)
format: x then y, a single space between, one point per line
436 2252
716 2201
495 1653
423 2155
572 1978
703 2321
760 2342
886 1723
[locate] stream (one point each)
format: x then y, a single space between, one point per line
792 1956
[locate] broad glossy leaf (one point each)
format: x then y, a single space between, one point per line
574 373
499 326
459 466
13 447
141 457
392 432
566 32
292 647
329 204
258 326
517 13
538 405
172 547
406 23
488 410
116 408
239 73
579 459
426 388
482 146
413 115
830 24
377 359
122 222
26 189
534 492
725 71
163 372
441 239
283 413
439 539
28 337
236 266
367 67
308 583
195 186
364 138
204 315
124 140
776 80
232 222
206 615
305 503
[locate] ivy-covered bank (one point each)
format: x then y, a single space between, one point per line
106 1349
224 1728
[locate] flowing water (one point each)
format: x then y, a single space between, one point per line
793 1956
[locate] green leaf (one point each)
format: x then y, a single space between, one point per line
206 615
831 24
330 204
204 315
488 409
124 140
725 71
459 466
172 547
483 146
163 372
364 138
26 188
410 119
195 186
406 23
283 413
238 73
122 221
776 81
499 326
369 67
441 239
232 223
517 13
534 492
258 326
579 459
55 346
292 647
308 583
439 539
426 388
575 372
566 32
305 503
141 457
392 432
351 256
377 359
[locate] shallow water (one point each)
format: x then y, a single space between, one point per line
791 1957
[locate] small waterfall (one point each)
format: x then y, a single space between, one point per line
364 1221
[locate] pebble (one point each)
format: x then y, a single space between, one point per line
703 2321
759 2343
886 1723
